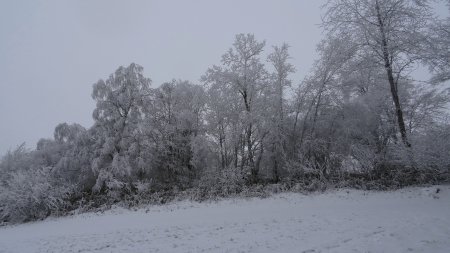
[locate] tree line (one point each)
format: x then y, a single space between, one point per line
358 115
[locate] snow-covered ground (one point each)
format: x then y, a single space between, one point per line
408 220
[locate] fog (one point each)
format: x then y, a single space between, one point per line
51 52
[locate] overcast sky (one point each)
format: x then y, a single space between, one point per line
51 52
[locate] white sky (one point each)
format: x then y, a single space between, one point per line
51 52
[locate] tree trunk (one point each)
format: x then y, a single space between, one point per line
275 158
221 151
392 83
250 150
250 157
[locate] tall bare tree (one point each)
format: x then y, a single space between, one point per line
392 31
279 59
244 73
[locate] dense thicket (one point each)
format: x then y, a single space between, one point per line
358 119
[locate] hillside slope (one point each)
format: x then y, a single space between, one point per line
408 220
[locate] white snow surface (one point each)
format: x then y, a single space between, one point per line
408 220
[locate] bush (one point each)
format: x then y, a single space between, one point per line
29 195
220 184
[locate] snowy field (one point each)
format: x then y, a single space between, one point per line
408 220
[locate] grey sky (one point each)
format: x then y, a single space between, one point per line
51 52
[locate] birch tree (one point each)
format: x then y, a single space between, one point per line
119 109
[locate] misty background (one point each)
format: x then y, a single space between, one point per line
51 52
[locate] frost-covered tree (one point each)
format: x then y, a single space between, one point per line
437 54
18 159
425 107
65 133
76 145
244 73
392 31
222 119
317 98
341 124
32 194
29 188
119 110
174 120
280 80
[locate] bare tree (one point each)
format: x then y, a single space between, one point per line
246 75
279 60
438 55
391 30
